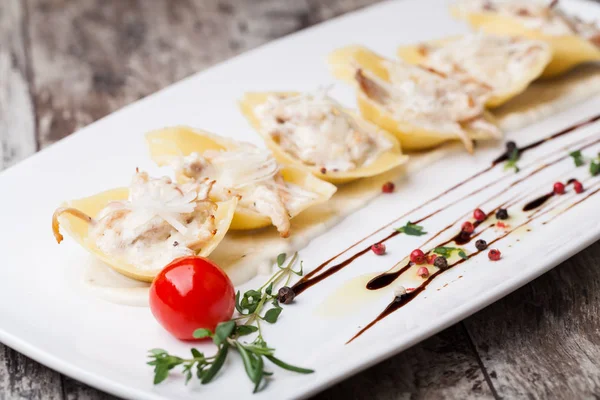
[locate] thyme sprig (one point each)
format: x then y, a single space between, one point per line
254 307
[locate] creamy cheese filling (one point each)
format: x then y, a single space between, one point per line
159 222
534 14
498 62
316 130
430 100
253 175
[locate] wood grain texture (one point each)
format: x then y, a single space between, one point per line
118 51
543 341
20 377
17 122
444 366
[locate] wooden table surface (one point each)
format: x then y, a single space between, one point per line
66 63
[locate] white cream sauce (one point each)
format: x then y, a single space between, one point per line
159 222
535 14
499 62
315 129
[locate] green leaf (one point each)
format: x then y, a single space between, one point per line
238 306
222 332
447 251
269 288
577 158
196 353
301 272
512 160
260 369
595 168
188 376
289 367
161 372
260 349
248 365
201 333
242 330
412 229
250 300
158 352
216 365
272 315
281 259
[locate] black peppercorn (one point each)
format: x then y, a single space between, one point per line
481 244
441 263
510 146
502 213
286 295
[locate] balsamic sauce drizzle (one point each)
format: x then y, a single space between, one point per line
388 278
317 276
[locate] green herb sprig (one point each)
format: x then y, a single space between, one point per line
580 160
595 166
447 252
412 229
513 157
254 307
577 158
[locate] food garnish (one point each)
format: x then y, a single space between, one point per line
502 213
513 156
577 158
559 188
481 245
577 186
595 167
388 187
447 252
411 229
182 302
494 254
378 248
417 256
399 291
227 336
479 215
467 227
441 262
423 272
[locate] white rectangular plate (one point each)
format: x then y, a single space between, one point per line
43 315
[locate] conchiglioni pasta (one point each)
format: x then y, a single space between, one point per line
313 132
140 229
269 193
421 107
572 40
504 65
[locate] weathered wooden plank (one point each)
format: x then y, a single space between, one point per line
442 367
20 377
118 51
74 390
17 123
543 341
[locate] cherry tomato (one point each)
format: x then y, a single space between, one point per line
191 293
